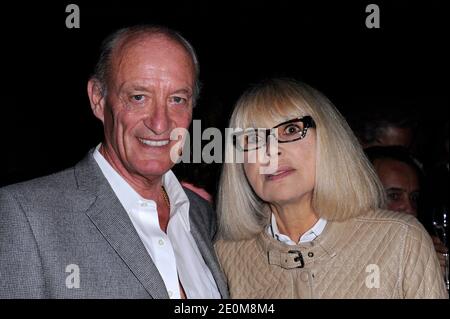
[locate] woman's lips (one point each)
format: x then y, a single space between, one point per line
279 174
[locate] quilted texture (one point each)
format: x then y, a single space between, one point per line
379 255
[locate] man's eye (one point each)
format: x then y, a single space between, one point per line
415 197
393 196
178 100
137 97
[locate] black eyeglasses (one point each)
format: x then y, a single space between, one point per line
286 132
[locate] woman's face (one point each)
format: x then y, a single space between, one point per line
291 177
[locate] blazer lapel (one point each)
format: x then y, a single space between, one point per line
112 221
204 244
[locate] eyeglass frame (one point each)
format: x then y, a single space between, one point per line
306 120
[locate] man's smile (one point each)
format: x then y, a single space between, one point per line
157 143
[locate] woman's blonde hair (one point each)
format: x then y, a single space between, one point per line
345 185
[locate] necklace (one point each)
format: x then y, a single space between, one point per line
166 197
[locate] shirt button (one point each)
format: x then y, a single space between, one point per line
170 294
161 242
304 276
310 254
143 204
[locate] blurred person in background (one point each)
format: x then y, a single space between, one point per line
402 178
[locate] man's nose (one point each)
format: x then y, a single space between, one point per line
158 120
407 207
410 207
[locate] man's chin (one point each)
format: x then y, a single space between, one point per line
153 169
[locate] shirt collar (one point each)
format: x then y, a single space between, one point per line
308 236
130 199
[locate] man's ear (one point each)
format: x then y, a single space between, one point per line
96 98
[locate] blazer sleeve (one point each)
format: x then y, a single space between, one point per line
422 274
21 271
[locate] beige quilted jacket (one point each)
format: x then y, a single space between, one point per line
379 255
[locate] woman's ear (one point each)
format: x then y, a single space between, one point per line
96 98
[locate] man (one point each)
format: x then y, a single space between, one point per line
118 224
401 176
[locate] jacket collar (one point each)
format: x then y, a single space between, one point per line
107 214
292 256
206 246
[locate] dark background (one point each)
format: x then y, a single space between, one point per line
46 122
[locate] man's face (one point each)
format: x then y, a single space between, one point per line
149 93
401 184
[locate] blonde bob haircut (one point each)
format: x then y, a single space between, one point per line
346 185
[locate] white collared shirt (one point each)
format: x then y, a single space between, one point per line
175 254
308 236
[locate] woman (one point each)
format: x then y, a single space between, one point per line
301 217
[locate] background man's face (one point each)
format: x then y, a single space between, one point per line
149 94
401 184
